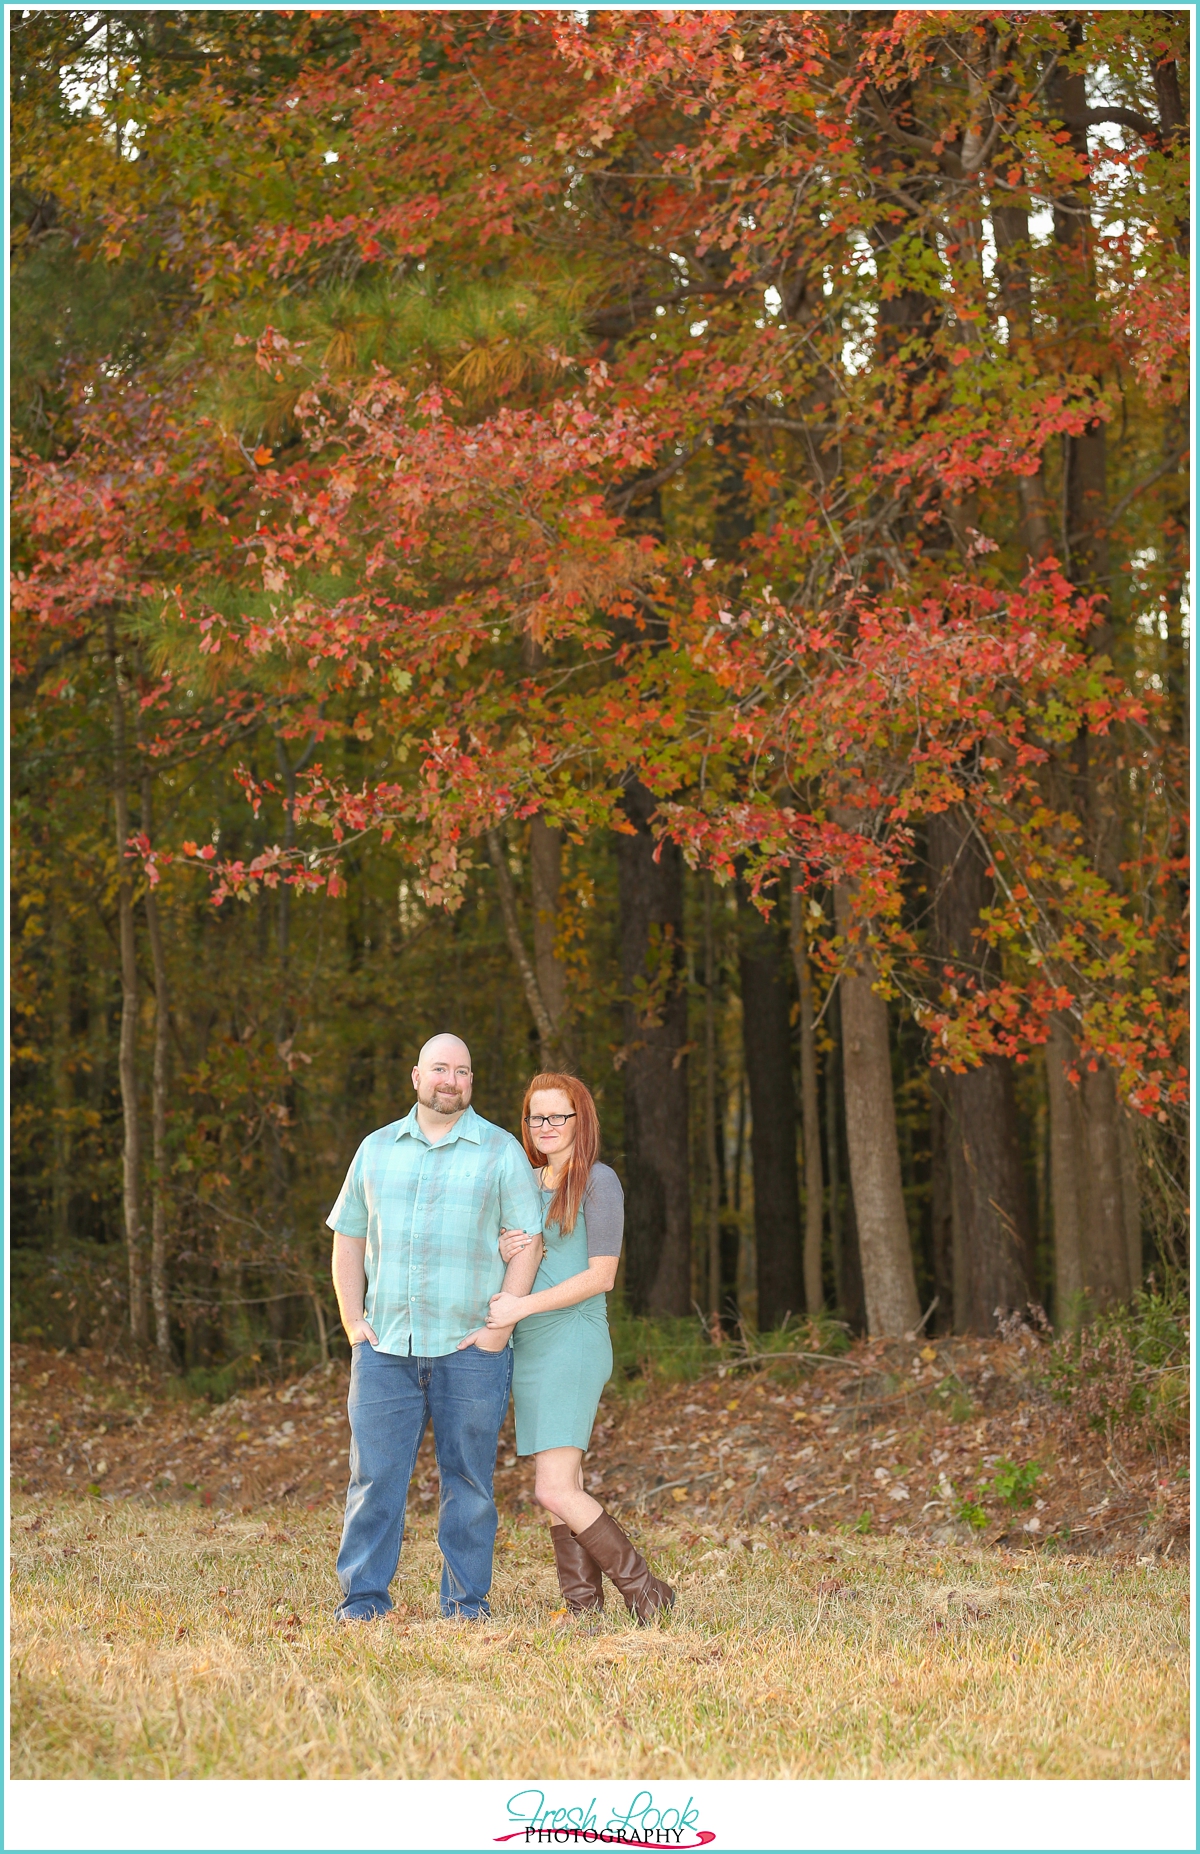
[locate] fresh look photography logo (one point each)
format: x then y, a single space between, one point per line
642 1822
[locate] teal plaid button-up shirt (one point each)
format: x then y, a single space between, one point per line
432 1216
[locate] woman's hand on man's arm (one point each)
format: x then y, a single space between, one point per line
508 1307
515 1242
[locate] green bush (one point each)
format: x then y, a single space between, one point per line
1014 1484
672 1351
970 1513
678 1351
1126 1375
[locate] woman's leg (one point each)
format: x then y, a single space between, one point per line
616 1554
558 1488
558 1478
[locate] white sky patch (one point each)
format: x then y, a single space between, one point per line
987 254
1152 622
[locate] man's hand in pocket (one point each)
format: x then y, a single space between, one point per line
484 1341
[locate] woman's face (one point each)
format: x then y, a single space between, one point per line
553 1143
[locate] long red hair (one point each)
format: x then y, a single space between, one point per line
564 1205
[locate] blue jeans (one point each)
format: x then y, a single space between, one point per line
465 1394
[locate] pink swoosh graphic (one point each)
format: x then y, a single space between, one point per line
703 1837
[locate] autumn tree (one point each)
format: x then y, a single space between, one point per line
645 429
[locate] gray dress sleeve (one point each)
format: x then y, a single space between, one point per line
604 1212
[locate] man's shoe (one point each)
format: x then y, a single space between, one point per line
616 1554
579 1576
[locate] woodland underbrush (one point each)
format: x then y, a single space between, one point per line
648 1351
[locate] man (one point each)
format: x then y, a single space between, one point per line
416 1260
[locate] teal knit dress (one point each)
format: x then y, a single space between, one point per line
561 1360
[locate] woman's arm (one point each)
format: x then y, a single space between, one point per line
518 1279
598 1277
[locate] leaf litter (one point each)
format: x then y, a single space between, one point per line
880 1442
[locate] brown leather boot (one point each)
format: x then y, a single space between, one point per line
645 1594
579 1576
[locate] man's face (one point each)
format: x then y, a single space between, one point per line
442 1078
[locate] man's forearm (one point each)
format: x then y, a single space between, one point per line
350 1278
520 1273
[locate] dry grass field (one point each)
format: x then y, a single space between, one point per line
166 1642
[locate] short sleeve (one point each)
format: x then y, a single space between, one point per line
349 1215
604 1212
520 1199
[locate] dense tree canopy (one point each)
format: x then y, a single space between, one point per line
486 482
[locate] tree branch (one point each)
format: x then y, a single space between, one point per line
1114 112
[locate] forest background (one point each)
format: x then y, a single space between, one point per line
655 540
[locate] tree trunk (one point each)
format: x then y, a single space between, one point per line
131 1156
545 865
516 946
941 1192
990 1209
658 1222
159 1293
1093 1184
1066 1192
545 868
843 1230
1092 1116
1010 224
283 919
1106 1251
64 1094
710 1112
322 1330
885 1253
732 1229
814 1183
851 1295
1131 1201
766 1033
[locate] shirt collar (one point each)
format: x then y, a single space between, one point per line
465 1127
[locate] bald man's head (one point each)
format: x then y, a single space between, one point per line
442 1077
455 1046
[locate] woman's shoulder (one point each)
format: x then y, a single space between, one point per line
603 1182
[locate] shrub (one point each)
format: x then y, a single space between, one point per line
678 1351
1014 1484
1126 1375
970 1513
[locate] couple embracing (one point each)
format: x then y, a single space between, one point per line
467 1265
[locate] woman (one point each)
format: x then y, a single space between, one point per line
562 1355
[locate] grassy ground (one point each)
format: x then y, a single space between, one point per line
153 1642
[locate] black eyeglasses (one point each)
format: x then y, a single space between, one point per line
547 1120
